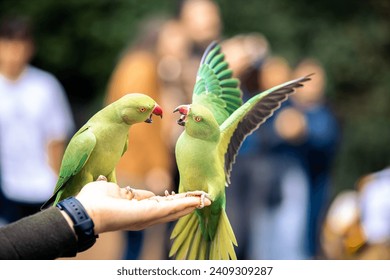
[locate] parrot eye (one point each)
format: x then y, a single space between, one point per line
142 109
197 118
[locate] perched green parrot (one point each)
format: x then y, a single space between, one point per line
97 147
216 124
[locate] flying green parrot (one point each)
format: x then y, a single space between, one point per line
216 124
97 147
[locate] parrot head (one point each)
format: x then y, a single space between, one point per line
137 107
198 120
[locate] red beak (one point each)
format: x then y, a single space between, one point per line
158 110
183 110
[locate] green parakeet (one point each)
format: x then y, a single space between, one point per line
97 147
216 124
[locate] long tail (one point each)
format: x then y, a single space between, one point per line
189 242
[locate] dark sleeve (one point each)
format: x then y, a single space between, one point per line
45 235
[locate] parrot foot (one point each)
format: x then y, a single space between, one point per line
130 192
203 195
169 196
166 196
101 178
167 193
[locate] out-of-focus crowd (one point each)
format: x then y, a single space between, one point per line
279 201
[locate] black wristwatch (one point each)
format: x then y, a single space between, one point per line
82 223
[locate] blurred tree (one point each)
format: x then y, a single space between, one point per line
80 40
352 40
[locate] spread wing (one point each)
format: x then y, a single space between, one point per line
76 155
215 88
250 116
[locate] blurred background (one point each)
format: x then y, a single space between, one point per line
100 49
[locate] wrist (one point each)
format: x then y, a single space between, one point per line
93 212
68 220
79 220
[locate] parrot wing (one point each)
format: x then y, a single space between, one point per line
250 116
215 88
76 155
126 145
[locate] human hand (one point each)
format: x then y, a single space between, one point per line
113 208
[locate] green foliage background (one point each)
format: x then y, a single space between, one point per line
80 40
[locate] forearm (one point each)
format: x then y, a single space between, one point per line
45 235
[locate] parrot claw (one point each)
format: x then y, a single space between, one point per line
167 193
101 178
203 195
130 191
169 196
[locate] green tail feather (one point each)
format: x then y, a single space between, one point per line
189 242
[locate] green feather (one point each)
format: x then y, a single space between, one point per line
218 59
214 79
232 92
194 250
212 53
181 244
236 101
220 67
225 74
229 83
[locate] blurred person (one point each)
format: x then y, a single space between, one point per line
137 71
320 135
197 23
244 53
173 50
35 123
202 22
153 65
299 144
375 214
341 236
278 179
357 223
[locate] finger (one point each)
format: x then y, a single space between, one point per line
162 210
173 196
142 194
162 217
206 200
165 206
177 215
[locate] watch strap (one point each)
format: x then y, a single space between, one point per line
82 223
